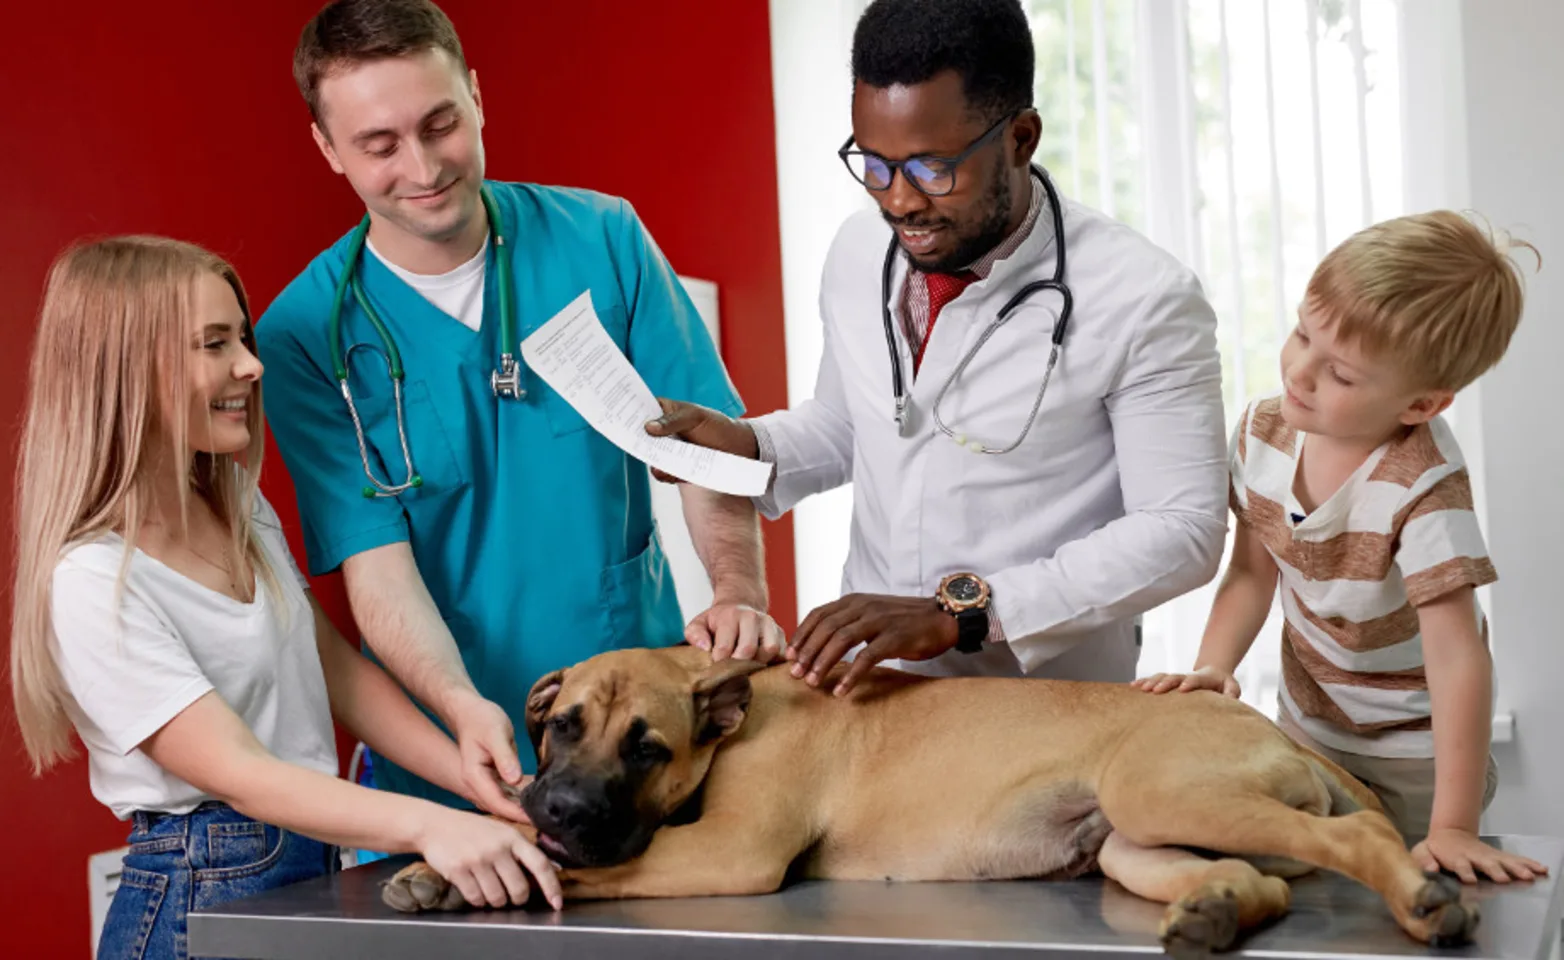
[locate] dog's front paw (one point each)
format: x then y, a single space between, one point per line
418 887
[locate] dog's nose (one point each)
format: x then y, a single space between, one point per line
569 807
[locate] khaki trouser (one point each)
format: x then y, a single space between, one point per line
1405 786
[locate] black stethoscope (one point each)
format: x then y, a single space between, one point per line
1056 282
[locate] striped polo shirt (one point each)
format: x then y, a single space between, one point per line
1399 533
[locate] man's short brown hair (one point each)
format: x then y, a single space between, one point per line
1435 294
349 32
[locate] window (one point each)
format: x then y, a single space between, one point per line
1247 137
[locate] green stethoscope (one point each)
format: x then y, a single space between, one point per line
505 381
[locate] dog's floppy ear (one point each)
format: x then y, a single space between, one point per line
538 703
721 696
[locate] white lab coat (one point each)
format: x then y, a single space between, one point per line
1115 502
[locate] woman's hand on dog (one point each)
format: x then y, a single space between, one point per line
486 859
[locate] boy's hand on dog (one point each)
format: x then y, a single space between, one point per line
1206 678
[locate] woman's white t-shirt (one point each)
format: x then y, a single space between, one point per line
132 660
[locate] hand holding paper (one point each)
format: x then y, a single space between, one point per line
575 355
703 427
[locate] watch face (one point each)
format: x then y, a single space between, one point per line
963 589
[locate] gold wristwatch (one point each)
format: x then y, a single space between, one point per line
965 596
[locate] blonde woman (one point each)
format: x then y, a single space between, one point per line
158 611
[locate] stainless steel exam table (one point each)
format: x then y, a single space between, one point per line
342 917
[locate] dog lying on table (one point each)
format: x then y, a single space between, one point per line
662 774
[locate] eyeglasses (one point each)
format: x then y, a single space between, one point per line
929 175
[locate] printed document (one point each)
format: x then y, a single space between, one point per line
576 356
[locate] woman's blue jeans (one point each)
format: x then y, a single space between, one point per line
180 863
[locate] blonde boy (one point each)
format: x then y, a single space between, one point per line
1352 498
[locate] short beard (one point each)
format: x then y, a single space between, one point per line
991 230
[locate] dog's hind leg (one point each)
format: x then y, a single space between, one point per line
1211 902
1362 845
1347 793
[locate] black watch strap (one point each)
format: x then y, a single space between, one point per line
971 629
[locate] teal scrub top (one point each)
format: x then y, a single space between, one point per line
533 533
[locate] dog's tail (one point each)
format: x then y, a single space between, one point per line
1347 793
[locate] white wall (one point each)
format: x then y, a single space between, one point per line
811 71
1514 152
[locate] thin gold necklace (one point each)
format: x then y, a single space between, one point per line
223 568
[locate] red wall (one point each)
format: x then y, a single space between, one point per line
180 118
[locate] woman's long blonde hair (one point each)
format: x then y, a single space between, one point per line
106 428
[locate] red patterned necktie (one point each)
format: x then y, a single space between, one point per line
943 288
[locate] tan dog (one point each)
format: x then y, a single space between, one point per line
663 775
